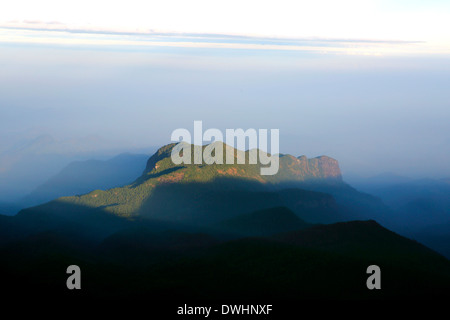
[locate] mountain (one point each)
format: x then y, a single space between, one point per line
27 163
435 236
200 194
136 263
217 232
380 180
400 194
10 208
419 208
417 203
365 239
84 176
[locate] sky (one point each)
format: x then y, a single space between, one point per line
365 82
367 19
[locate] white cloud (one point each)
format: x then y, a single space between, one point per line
345 19
37 32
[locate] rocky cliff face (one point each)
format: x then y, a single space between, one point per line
291 168
322 168
325 167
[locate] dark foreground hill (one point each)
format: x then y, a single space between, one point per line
321 262
264 222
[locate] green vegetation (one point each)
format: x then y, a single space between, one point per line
127 201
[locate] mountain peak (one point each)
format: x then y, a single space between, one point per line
291 168
163 177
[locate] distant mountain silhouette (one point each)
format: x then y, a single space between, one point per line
399 194
10 208
84 176
418 207
28 163
380 180
417 203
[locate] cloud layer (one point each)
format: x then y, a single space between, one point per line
54 32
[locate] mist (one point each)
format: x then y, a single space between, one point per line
372 113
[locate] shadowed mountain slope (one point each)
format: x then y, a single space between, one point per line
364 239
264 222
